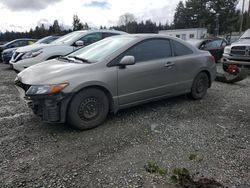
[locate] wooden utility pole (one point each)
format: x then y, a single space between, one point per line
242 16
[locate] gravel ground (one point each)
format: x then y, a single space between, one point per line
215 130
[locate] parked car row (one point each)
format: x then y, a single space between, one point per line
97 78
81 77
37 53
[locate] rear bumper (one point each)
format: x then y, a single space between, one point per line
51 108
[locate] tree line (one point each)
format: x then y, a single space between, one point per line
218 16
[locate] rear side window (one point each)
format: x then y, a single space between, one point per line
150 50
105 35
91 38
180 49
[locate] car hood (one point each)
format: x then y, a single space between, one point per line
241 42
51 72
35 47
9 50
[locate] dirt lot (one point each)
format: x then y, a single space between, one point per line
210 138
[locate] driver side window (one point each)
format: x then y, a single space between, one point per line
91 38
13 45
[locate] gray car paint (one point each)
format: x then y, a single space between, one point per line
128 86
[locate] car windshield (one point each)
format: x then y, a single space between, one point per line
69 38
246 35
47 40
9 43
100 50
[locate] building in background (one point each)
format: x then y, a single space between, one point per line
186 34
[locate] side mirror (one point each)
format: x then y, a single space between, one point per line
79 43
127 60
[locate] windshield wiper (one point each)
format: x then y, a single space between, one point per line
80 59
65 58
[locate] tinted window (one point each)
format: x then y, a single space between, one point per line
150 49
104 35
213 44
13 44
91 38
180 49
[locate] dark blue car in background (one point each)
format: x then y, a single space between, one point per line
15 44
9 48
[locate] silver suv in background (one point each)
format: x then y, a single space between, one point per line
115 73
37 53
236 58
239 50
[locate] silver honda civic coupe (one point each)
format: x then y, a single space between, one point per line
115 73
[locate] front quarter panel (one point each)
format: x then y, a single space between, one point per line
97 75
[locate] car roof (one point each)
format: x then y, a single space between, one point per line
141 37
101 30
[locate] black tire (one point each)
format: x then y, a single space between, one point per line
88 109
200 86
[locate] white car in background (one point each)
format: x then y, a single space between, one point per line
30 55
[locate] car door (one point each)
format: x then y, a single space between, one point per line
151 76
215 48
186 66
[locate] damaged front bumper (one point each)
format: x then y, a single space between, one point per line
245 63
51 108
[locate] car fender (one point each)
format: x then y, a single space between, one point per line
111 93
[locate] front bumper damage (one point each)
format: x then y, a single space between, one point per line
51 108
245 63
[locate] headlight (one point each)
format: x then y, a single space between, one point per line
8 52
227 50
46 89
31 54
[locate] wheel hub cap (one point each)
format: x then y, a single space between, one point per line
88 108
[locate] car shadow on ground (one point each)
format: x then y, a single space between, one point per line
121 115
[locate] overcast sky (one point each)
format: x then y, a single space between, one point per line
21 15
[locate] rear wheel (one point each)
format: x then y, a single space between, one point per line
88 109
200 86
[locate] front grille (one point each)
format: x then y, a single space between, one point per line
240 51
17 56
239 48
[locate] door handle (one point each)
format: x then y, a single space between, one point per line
169 64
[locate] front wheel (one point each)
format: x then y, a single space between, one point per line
200 86
88 109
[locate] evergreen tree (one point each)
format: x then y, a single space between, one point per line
227 14
180 21
77 25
